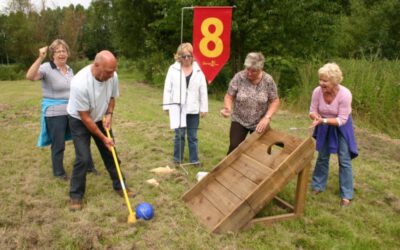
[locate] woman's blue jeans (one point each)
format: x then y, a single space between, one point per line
192 122
57 127
321 170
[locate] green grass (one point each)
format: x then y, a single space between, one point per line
34 212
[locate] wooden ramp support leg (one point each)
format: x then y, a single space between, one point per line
297 210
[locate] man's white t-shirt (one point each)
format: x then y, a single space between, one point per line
88 94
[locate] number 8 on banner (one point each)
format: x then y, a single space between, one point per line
211 37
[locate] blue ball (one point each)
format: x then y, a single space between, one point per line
144 211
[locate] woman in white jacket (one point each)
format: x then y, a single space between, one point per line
185 99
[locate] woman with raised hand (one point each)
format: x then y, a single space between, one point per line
55 76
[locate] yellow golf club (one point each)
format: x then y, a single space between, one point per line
132 215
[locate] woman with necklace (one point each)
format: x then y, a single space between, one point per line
252 99
330 111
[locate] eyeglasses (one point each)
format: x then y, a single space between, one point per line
252 70
186 56
60 51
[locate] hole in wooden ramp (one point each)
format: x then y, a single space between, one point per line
275 148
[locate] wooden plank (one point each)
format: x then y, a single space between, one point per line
297 160
246 144
290 142
197 188
279 159
236 220
301 190
205 210
259 152
224 163
221 197
210 177
236 182
272 219
235 190
284 204
251 168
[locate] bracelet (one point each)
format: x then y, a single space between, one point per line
109 113
268 117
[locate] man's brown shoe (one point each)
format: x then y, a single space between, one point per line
129 192
75 204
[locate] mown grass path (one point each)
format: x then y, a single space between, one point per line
34 212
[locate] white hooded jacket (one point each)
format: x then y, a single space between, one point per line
194 97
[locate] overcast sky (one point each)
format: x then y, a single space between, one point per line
51 3
62 3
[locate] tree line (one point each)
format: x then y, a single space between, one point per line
148 32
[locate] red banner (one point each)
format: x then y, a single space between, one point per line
212 38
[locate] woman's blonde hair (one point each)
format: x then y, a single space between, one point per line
333 72
53 46
254 60
181 48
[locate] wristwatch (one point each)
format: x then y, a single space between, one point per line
324 121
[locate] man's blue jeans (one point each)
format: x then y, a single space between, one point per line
192 122
321 170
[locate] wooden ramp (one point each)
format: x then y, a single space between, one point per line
230 196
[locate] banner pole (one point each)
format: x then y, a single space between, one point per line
180 96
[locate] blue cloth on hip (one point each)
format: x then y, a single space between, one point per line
44 138
328 132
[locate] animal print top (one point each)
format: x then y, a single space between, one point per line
251 101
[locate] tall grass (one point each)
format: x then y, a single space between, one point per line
375 85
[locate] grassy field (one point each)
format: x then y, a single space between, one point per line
34 212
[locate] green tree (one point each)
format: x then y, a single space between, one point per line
97 28
371 29
18 32
131 23
71 29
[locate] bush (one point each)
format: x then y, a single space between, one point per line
79 64
12 72
154 67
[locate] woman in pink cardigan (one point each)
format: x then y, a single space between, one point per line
330 111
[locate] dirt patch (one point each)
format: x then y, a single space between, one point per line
377 146
393 201
4 107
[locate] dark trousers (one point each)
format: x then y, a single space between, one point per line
81 137
58 127
237 134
